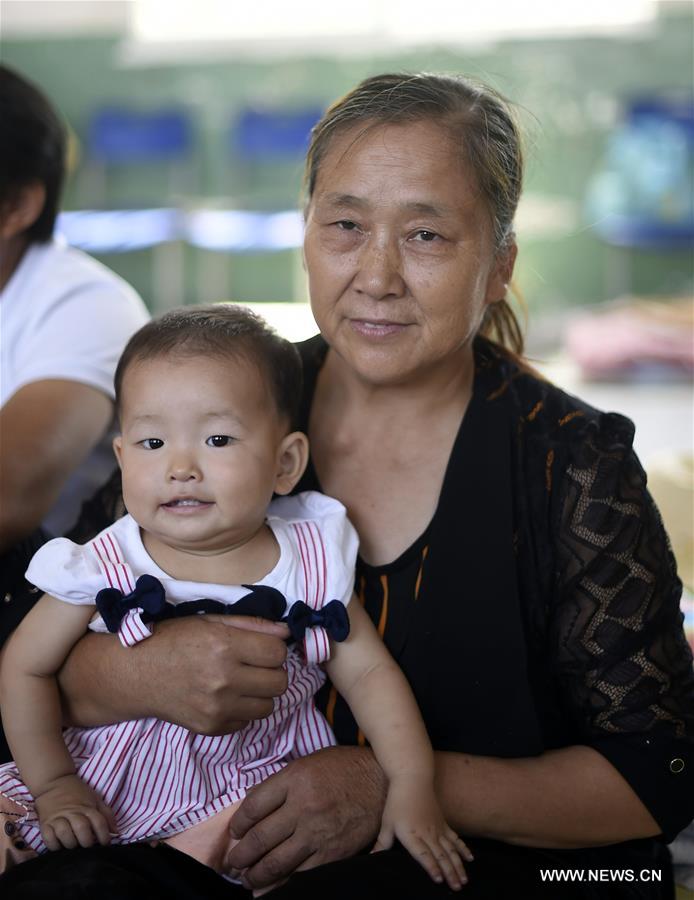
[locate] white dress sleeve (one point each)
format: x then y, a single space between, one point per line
327 546
67 571
323 548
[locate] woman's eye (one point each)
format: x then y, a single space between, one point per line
152 443
426 236
218 440
346 225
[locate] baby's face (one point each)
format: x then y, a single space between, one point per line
200 450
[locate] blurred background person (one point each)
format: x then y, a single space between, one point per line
65 320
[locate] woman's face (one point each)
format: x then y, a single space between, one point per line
399 252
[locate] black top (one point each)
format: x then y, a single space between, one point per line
541 608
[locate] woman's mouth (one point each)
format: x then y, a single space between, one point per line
377 328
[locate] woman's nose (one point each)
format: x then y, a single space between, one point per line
380 269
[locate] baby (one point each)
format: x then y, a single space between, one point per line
207 399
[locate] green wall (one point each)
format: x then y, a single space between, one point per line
567 91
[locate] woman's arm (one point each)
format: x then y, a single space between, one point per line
328 806
48 428
571 797
211 674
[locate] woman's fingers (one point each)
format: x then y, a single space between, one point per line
287 857
260 802
253 623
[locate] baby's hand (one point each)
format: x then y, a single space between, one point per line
71 814
412 814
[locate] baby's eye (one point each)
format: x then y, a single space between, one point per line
218 440
152 443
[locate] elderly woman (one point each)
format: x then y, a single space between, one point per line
510 555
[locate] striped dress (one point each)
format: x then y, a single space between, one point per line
159 778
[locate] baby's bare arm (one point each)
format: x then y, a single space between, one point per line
383 704
29 697
381 700
69 811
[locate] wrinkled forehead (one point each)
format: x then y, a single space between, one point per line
365 138
416 165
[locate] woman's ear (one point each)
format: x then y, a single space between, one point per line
21 211
501 273
292 458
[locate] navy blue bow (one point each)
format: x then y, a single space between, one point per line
262 601
333 617
114 604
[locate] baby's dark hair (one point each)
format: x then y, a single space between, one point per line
222 331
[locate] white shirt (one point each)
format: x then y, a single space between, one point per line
63 315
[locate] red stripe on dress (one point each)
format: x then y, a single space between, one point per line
157 775
109 563
95 769
127 637
317 722
142 789
323 567
304 565
104 565
118 559
115 555
168 788
176 795
321 562
159 809
304 562
312 554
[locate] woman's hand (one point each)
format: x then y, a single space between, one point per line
318 809
211 674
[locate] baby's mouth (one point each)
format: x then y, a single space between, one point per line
185 501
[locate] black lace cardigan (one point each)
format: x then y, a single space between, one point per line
548 613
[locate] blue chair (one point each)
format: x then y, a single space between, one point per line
643 193
150 154
127 140
273 135
265 147
641 197
119 135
